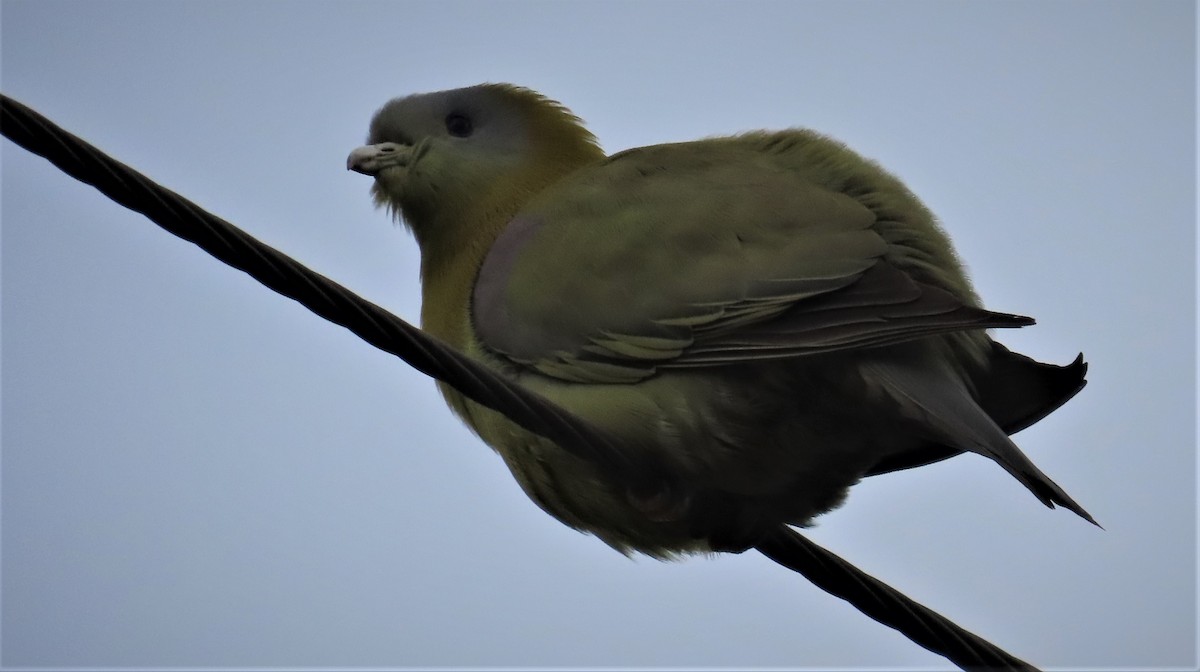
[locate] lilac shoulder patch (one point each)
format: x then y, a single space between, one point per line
488 305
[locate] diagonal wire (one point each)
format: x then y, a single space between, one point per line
319 294
885 604
389 333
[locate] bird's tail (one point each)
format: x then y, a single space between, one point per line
941 401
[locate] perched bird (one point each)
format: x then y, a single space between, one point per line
770 316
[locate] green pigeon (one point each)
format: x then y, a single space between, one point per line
769 315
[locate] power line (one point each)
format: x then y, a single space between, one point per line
389 333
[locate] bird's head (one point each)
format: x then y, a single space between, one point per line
454 157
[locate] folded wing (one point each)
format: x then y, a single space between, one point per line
698 255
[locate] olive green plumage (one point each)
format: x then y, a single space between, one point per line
770 314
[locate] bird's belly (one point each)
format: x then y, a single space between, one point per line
753 448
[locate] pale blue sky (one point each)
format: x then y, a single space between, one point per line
198 472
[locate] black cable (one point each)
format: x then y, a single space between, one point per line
319 294
389 333
885 604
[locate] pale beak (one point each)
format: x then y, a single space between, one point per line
371 159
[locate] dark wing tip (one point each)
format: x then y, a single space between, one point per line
1012 319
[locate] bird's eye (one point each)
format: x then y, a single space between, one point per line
459 125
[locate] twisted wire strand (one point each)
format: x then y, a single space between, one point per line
425 353
885 604
319 294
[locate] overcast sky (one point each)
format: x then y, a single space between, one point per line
199 472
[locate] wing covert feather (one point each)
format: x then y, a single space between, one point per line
696 254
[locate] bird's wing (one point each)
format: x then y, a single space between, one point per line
697 254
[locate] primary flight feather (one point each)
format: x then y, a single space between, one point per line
770 315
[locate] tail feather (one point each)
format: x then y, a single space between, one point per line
943 403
